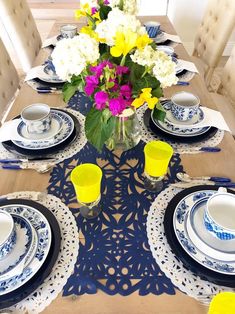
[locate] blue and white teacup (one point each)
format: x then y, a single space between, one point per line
68 31
37 118
7 234
152 28
219 215
184 106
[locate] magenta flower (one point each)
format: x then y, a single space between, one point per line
125 91
117 105
106 2
93 10
91 84
122 70
99 68
100 100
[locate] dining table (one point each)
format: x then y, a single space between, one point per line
199 164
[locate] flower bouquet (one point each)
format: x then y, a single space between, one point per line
114 62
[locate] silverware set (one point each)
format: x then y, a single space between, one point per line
40 165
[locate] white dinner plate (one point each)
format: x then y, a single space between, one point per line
43 230
160 38
181 215
167 49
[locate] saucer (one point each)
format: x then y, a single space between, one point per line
205 241
46 76
172 120
179 131
167 49
65 131
160 38
56 125
179 67
180 218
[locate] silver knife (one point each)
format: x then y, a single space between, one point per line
185 185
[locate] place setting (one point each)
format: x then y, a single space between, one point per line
40 137
66 31
32 244
159 36
186 122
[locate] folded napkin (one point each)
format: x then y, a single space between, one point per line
174 38
187 65
50 42
211 118
8 131
34 73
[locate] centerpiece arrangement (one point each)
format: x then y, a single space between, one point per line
114 62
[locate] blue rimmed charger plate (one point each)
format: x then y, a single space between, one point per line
197 268
19 293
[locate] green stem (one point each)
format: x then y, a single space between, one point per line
123 60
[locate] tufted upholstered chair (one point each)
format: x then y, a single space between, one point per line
9 80
225 98
212 36
21 28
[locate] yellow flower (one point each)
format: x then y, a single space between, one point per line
143 41
145 96
85 9
89 31
124 43
97 16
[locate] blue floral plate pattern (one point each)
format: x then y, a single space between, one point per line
40 224
181 215
65 131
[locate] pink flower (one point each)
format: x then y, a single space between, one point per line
106 2
99 68
100 100
117 105
125 91
93 10
122 70
91 84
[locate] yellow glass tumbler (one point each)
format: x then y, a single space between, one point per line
223 303
86 179
157 157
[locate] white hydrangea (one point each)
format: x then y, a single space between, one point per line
72 55
129 6
144 56
118 21
163 68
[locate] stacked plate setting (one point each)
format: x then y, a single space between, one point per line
205 254
64 129
36 249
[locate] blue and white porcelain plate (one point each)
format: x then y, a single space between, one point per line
180 219
160 38
198 118
167 49
56 125
21 250
179 131
43 230
44 74
65 131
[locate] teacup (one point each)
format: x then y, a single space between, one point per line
7 234
219 216
68 31
184 106
152 28
37 118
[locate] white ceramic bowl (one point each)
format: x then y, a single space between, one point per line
219 215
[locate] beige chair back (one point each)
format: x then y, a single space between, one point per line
214 32
227 86
22 30
9 80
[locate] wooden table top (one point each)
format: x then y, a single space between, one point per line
216 164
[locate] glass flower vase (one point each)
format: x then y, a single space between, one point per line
126 133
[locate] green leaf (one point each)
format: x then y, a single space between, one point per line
68 91
104 11
148 81
157 92
99 126
159 113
